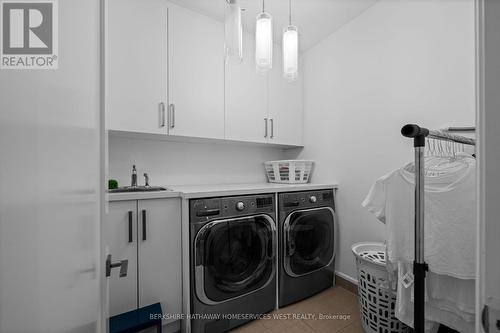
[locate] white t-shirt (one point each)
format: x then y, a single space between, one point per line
450 214
448 301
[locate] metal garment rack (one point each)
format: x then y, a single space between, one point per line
419 134
470 129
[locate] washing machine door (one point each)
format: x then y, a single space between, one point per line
234 257
309 240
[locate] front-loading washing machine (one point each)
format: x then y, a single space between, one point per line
307 232
232 261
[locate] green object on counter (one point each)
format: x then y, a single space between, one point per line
112 184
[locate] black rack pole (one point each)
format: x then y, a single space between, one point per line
419 266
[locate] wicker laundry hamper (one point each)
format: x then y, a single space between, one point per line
377 299
289 171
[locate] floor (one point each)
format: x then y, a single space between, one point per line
338 305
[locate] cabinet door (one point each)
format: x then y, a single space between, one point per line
137 65
196 74
246 97
160 254
122 244
285 104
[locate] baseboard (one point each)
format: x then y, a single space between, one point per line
347 282
347 277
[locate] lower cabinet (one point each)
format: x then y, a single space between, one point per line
120 238
147 233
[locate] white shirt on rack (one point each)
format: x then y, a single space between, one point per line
450 214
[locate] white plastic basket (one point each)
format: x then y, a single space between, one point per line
377 299
289 171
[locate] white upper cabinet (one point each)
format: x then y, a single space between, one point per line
285 104
196 72
246 98
137 63
167 75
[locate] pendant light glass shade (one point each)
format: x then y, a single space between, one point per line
264 42
233 32
291 53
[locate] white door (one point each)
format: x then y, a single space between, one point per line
488 300
285 104
196 74
137 69
50 193
246 98
160 254
120 235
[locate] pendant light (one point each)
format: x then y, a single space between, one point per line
290 49
264 41
233 31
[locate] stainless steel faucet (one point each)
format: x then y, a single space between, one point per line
146 179
134 177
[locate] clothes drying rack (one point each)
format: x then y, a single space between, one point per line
419 135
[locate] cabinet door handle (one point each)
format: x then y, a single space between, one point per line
143 224
272 128
162 114
485 320
172 115
130 237
265 127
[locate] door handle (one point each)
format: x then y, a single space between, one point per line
485 319
123 264
130 237
143 224
162 114
272 128
271 247
290 246
200 250
172 115
265 127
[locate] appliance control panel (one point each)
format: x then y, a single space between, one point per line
217 208
307 199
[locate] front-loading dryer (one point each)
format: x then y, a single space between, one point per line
232 261
307 232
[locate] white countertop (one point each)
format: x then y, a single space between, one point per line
143 195
201 191
219 190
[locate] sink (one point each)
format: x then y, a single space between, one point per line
127 189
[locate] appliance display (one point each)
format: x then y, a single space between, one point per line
307 232
232 260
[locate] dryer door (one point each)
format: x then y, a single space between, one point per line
234 257
309 240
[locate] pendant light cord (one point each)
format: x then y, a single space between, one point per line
263 6
290 12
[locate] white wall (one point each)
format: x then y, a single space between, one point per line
180 163
399 62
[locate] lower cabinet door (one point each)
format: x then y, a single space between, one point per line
160 265
120 237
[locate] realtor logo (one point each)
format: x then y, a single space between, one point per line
29 34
